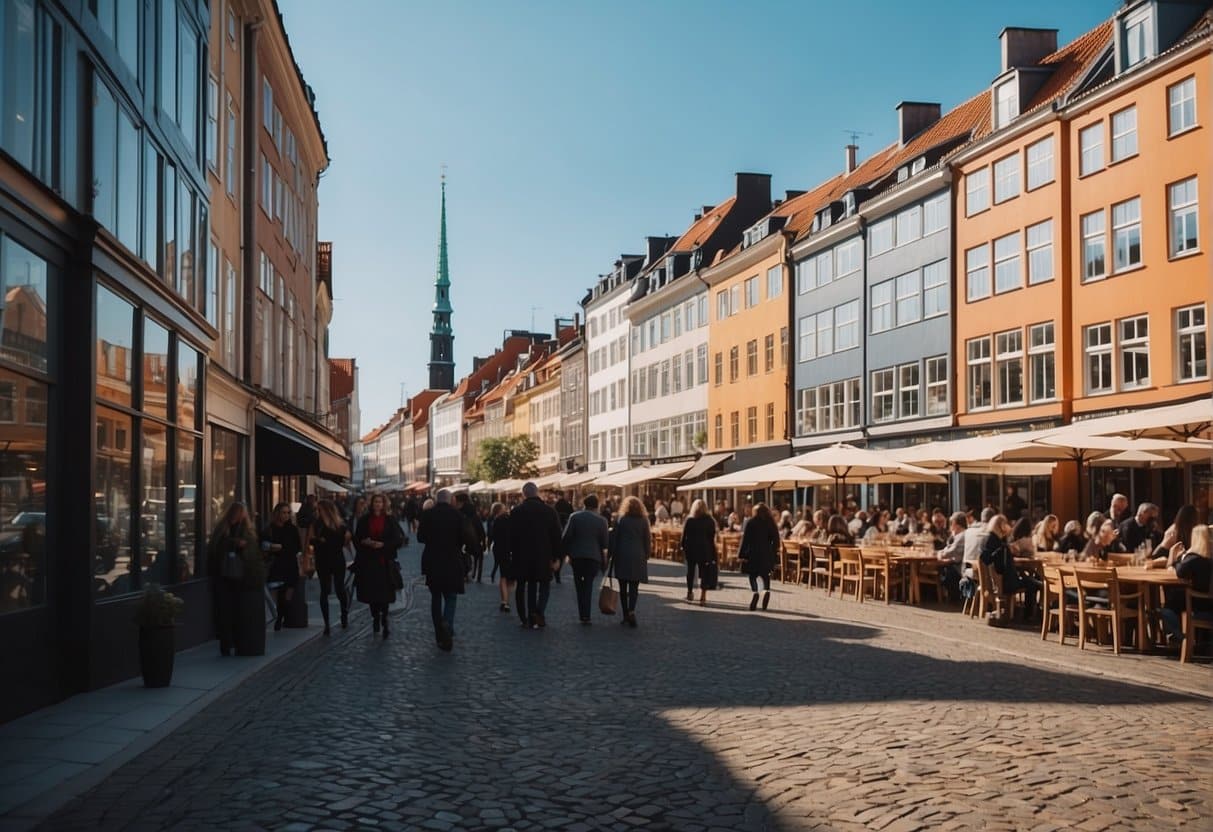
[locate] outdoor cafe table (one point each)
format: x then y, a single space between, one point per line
1149 579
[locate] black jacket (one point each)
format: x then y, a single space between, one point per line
699 539
759 547
372 580
445 531
998 556
534 539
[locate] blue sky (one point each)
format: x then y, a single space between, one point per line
572 129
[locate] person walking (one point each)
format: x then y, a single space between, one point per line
759 552
630 546
281 543
306 515
699 549
445 531
357 510
474 551
232 562
585 542
534 547
329 535
377 536
499 539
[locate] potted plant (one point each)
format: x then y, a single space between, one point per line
156 616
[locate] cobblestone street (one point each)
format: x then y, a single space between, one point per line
711 718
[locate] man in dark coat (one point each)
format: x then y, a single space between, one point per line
473 554
564 510
535 545
445 532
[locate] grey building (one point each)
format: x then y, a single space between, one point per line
573 423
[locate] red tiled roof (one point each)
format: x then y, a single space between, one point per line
702 228
1071 62
341 378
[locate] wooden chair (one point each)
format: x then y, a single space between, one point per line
930 575
730 546
821 566
878 569
1116 609
974 605
1191 621
1054 605
850 571
789 561
989 587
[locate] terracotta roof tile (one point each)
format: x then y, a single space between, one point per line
1071 63
703 227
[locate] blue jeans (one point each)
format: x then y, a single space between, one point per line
442 609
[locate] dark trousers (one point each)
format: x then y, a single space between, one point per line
629 591
379 613
227 598
692 567
531 598
442 609
332 580
766 582
949 576
584 572
477 567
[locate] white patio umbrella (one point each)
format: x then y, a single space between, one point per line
777 475
959 453
1176 421
847 463
1068 444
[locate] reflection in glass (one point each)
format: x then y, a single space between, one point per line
185 243
155 369
105 130
22 498
225 484
153 504
115 323
17 82
23 280
151 206
113 566
187 384
169 226
128 181
188 79
188 520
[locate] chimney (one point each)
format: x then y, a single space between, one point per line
754 187
707 209
850 157
913 117
655 248
1025 47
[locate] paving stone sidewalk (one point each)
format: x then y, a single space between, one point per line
701 719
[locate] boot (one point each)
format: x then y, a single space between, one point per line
754 602
375 622
324 612
385 631
278 621
766 599
345 618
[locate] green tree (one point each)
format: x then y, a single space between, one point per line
504 458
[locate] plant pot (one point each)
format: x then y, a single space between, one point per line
250 622
156 652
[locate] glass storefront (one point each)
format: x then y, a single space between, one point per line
227 471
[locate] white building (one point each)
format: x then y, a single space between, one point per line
545 425
446 438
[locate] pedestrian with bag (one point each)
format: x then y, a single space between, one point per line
630 547
499 539
759 552
473 553
377 536
534 547
699 551
445 531
585 542
281 544
232 562
329 537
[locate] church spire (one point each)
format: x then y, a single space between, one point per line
442 356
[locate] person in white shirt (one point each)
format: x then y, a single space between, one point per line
676 508
975 537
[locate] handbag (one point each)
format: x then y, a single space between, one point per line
709 575
608 596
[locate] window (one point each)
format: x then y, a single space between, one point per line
168 58
882 307
267 105
105 158
977 273
883 396
770 421
1042 363
734 300
212 122
229 153
846 326
227 333
1098 342
1094 246
978 352
734 364
1192 337
977 192
722 304
665 326
1124 134
1134 352
1008 355
718 429
665 378
935 215
676 316
675 374
937 385
774 282
1181 106
1126 234
768 349
825 332
1090 149
1006 178
783 346
1182 199
909 225
825 267
808 338
734 429
688 367
1006 102
751 292
806 275
751 424
848 258
701 363
1137 38
751 357
267 186
909 299
703 309
1040 163
1006 264
935 289
828 407
907 391
1040 252
880 237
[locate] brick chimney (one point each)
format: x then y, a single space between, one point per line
754 186
1025 47
850 151
913 117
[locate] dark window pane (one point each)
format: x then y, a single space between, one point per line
153 505
185 243
226 485
115 323
127 35
167 68
113 567
151 206
155 370
128 182
17 82
23 285
187 44
105 158
169 224
187 385
189 456
22 494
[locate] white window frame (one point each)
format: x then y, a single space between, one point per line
880 237
935 289
774 283
977 191
1006 178
807 330
1124 134
1038 252
1006 106
1040 163
1191 341
1094 240
267 105
752 296
1143 19
1042 362
977 262
881 319
1007 263
884 391
935 215
1181 103
848 258
1096 346
212 123
909 226
907 295
825 332
846 326
908 390
1127 228
979 365
936 369
1133 342
1183 207
1090 149
824 263
1008 353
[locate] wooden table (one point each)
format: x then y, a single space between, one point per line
1152 581
914 559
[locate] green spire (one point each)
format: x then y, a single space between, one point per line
442 285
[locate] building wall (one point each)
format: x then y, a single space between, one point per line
573 410
606 324
446 447
545 422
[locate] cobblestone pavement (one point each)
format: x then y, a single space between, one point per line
713 718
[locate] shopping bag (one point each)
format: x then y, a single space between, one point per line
709 575
608 597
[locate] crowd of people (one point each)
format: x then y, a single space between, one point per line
531 539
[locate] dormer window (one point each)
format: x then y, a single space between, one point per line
848 203
918 165
1137 37
1006 102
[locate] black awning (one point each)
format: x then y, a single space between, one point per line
281 450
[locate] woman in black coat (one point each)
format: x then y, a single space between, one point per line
499 541
760 552
281 544
446 532
377 536
996 553
329 536
699 549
